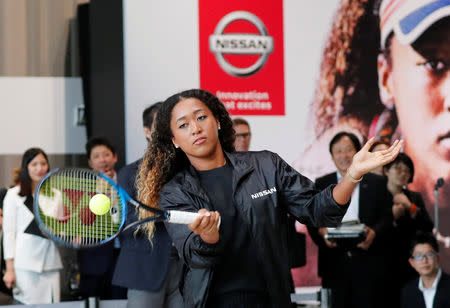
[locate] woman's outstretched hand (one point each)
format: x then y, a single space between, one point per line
365 161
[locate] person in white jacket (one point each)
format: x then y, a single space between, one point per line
32 261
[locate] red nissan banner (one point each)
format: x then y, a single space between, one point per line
241 54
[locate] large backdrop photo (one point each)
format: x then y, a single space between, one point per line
299 73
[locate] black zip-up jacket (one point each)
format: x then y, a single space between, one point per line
265 190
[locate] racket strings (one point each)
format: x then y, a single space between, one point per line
64 207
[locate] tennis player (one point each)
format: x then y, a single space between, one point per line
191 165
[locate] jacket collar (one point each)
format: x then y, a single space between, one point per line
240 166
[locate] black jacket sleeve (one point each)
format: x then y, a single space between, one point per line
422 221
126 179
303 201
192 249
320 184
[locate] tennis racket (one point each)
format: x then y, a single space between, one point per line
61 208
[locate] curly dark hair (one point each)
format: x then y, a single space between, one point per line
162 160
348 79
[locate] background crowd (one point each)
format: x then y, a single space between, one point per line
369 271
387 83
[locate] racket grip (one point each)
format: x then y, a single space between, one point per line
182 217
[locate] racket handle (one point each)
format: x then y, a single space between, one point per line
182 217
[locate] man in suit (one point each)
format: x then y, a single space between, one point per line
353 270
150 271
96 265
432 288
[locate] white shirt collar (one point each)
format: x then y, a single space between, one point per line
114 178
434 285
339 176
430 293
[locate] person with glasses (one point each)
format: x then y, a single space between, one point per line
409 216
432 288
243 134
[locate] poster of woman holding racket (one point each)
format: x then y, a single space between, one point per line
385 73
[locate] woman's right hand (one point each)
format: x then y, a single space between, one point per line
207 226
9 278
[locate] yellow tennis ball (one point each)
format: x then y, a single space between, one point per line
99 204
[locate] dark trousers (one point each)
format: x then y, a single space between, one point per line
359 282
239 299
168 296
100 285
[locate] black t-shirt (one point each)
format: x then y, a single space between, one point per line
239 269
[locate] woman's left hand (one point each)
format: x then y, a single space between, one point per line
365 161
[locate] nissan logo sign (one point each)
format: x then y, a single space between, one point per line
241 43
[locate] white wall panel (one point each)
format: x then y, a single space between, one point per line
40 111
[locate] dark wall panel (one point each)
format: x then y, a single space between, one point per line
105 110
